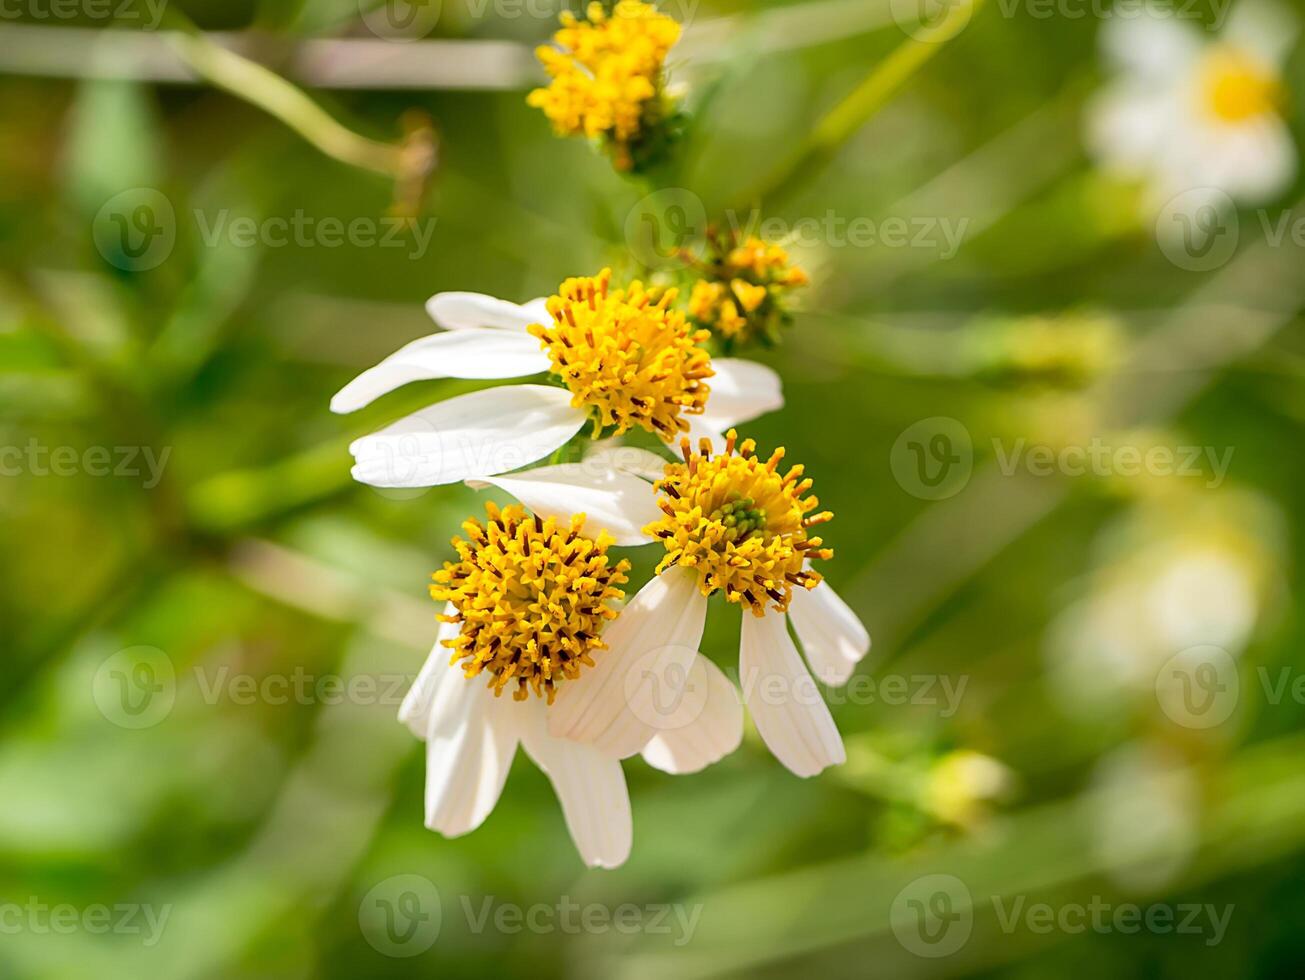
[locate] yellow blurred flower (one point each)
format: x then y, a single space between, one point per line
741 295
608 78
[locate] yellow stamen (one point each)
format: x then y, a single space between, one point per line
741 524
743 292
1236 87
607 74
626 355
531 597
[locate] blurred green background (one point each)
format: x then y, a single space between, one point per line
1068 766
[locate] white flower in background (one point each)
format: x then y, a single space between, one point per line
625 359
1182 571
730 523
530 603
1191 113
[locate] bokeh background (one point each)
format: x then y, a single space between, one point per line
1083 689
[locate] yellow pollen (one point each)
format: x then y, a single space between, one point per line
744 287
626 355
607 74
531 597
1236 87
740 523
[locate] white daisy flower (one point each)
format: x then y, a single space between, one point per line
529 603
730 523
1190 114
626 360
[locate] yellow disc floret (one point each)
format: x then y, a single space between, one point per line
1237 87
744 287
626 355
532 598
606 74
741 524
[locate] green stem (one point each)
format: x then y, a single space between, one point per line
843 121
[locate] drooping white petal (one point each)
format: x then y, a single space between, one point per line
466 311
470 742
791 717
474 435
590 786
1253 161
631 691
740 391
1262 28
833 638
611 500
629 459
472 353
1155 45
1130 125
705 726
418 703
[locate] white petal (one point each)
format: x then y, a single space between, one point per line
477 434
611 500
589 785
631 691
832 636
1155 45
740 391
791 717
706 726
630 459
1130 125
463 311
1262 28
469 749
1252 162
415 711
474 353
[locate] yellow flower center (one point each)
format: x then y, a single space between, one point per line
607 73
742 294
741 524
626 355
1237 87
531 597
